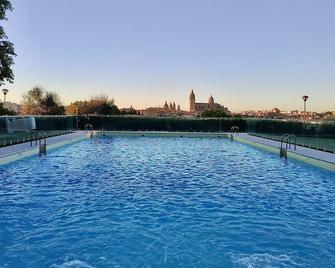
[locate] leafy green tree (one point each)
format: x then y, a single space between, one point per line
7 52
214 113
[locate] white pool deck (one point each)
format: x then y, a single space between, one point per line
312 156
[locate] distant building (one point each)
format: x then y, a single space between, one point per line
167 110
14 107
153 111
275 111
129 110
330 115
197 108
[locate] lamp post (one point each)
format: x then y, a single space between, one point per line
4 91
77 113
305 98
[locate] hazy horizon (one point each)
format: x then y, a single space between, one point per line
251 55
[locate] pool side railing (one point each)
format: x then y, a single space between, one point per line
324 143
7 139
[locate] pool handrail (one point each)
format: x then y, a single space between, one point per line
288 139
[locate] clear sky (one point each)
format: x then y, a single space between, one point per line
250 54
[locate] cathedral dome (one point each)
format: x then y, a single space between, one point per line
211 100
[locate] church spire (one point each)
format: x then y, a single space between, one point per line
192 95
192 101
211 100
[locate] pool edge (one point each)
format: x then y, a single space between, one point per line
312 161
34 151
160 134
26 153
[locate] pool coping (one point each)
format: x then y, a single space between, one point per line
24 150
182 134
308 155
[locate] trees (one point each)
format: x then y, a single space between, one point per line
129 112
108 109
77 108
99 105
31 103
102 105
52 104
7 52
41 102
4 111
214 113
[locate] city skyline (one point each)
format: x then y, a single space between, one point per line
170 102
251 56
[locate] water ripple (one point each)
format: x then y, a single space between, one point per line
171 202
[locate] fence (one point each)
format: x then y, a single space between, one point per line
136 123
316 135
319 135
53 126
20 137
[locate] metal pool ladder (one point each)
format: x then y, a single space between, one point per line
287 140
89 129
40 138
234 130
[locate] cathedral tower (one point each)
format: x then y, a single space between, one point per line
166 107
211 101
192 101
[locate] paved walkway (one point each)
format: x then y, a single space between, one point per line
23 147
312 153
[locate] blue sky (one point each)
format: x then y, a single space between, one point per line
255 54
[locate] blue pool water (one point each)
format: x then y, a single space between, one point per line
165 202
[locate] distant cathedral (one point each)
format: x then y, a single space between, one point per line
199 107
196 108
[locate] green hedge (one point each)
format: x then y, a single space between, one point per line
55 122
181 124
294 127
160 124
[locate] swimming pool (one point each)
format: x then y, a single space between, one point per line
171 202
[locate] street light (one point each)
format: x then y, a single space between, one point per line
77 112
4 91
305 98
